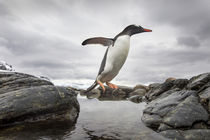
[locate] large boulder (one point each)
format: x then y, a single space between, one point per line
180 109
25 98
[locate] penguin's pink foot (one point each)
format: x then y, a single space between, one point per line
112 85
101 85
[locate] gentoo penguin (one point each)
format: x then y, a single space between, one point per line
115 55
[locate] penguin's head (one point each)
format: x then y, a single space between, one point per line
135 29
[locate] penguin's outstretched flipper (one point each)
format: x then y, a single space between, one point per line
99 40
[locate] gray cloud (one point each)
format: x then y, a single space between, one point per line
44 37
45 64
189 15
3 10
188 41
165 62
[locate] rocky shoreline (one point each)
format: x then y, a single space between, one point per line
176 109
180 108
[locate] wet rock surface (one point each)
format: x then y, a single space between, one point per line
25 98
197 82
194 134
11 81
157 89
179 108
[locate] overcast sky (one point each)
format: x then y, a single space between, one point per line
43 37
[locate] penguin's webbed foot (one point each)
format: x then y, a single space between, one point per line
112 85
101 85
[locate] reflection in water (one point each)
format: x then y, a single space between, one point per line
102 120
49 130
92 136
108 120
109 95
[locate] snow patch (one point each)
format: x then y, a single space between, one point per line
5 66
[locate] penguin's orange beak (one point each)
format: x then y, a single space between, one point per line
147 30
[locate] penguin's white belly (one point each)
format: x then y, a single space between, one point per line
116 57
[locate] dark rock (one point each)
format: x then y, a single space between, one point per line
147 135
35 131
205 97
200 125
197 82
95 93
2 67
153 85
115 96
25 98
170 79
139 86
11 81
122 90
135 99
157 90
178 109
172 134
164 127
180 83
165 94
109 95
151 120
205 94
126 89
194 134
140 92
186 113
5 66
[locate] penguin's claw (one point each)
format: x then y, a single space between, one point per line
102 86
112 85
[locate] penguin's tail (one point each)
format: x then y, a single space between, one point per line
91 87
